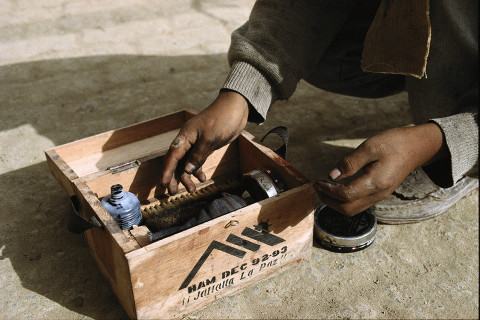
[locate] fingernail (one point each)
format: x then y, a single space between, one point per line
334 174
189 168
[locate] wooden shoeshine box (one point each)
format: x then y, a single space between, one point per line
180 274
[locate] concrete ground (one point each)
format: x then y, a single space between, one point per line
71 69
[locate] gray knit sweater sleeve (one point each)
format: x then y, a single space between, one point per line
280 44
461 137
462 144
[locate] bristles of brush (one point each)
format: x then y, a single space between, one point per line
173 217
178 210
188 198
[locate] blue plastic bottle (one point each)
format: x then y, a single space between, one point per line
123 206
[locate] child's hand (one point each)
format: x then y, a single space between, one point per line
378 166
217 125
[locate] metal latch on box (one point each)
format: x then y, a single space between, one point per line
124 166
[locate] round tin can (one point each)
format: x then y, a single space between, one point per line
341 233
263 183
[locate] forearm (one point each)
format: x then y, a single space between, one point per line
431 146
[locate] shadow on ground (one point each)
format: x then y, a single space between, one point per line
68 99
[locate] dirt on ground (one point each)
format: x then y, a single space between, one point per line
72 69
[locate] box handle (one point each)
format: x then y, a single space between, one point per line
76 223
282 132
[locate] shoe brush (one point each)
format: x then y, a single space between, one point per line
178 210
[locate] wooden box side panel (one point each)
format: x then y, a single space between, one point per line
172 278
136 151
61 171
113 139
108 253
86 156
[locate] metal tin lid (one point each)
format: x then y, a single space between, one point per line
263 183
341 233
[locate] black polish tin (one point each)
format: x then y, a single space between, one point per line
340 233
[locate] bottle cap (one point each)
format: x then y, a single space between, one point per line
341 233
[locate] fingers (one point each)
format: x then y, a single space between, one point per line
352 163
342 192
196 157
200 175
172 186
357 195
175 170
340 197
349 208
186 180
177 151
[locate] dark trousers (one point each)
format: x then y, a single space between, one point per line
339 69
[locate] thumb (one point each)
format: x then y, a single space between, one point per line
351 164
